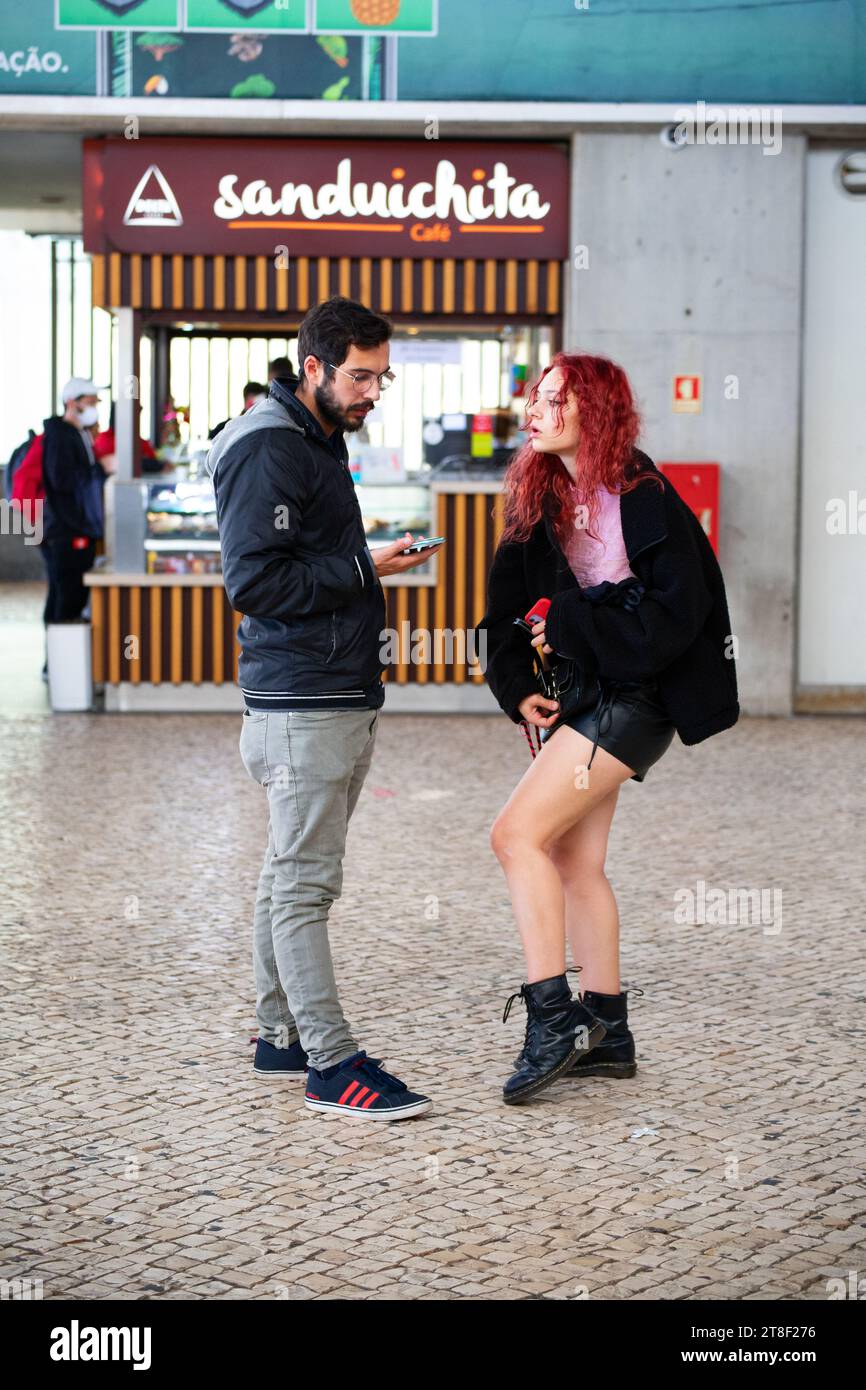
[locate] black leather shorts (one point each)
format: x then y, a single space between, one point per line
629 723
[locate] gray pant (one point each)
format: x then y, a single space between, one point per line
312 764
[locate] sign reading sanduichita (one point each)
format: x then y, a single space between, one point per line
332 198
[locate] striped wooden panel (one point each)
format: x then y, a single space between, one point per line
240 282
450 611
115 293
262 283
156 285
198 282
184 633
97 282
178 287
422 603
135 281
114 635
253 283
302 292
219 282
147 634
386 285
449 281
407 295
282 289
366 272
132 643
97 634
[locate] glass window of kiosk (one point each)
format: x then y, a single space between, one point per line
207 375
449 379
455 413
440 374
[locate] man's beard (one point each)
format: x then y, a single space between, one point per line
330 411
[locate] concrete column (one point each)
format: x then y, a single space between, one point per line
695 266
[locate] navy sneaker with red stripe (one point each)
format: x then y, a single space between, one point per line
359 1086
273 1061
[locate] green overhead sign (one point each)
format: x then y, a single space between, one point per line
37 61
117 14
410 17
262 16
418 17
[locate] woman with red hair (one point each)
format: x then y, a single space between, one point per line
637 646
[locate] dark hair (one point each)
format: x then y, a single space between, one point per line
280 367
255 388
332 328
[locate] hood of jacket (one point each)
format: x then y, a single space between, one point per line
269 414
58 425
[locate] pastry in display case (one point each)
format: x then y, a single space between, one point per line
390 509
181 535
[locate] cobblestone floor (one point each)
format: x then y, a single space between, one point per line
144 1160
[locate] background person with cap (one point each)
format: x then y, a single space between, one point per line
73 479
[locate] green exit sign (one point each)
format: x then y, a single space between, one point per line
117 14
419 17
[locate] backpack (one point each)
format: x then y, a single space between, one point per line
28 485
15 459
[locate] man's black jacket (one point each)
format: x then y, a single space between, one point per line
296 561
678 633
73 481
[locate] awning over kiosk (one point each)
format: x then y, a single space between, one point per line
254 283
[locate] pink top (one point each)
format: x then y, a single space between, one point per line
592 561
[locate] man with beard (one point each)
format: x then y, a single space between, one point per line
297 565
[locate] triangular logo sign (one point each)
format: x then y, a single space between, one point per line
153 204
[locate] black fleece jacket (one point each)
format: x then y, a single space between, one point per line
678 633
296 561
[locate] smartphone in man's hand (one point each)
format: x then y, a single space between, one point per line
404 554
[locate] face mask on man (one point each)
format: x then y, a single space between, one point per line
87 416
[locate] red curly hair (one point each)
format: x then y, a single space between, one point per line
609 426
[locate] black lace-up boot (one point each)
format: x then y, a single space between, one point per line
559 1030
614 1056
585 1020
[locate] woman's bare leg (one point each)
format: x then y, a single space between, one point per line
554 795
591 915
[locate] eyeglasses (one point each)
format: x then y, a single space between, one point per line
364 380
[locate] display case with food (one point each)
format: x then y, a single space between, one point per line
181 535
390 509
